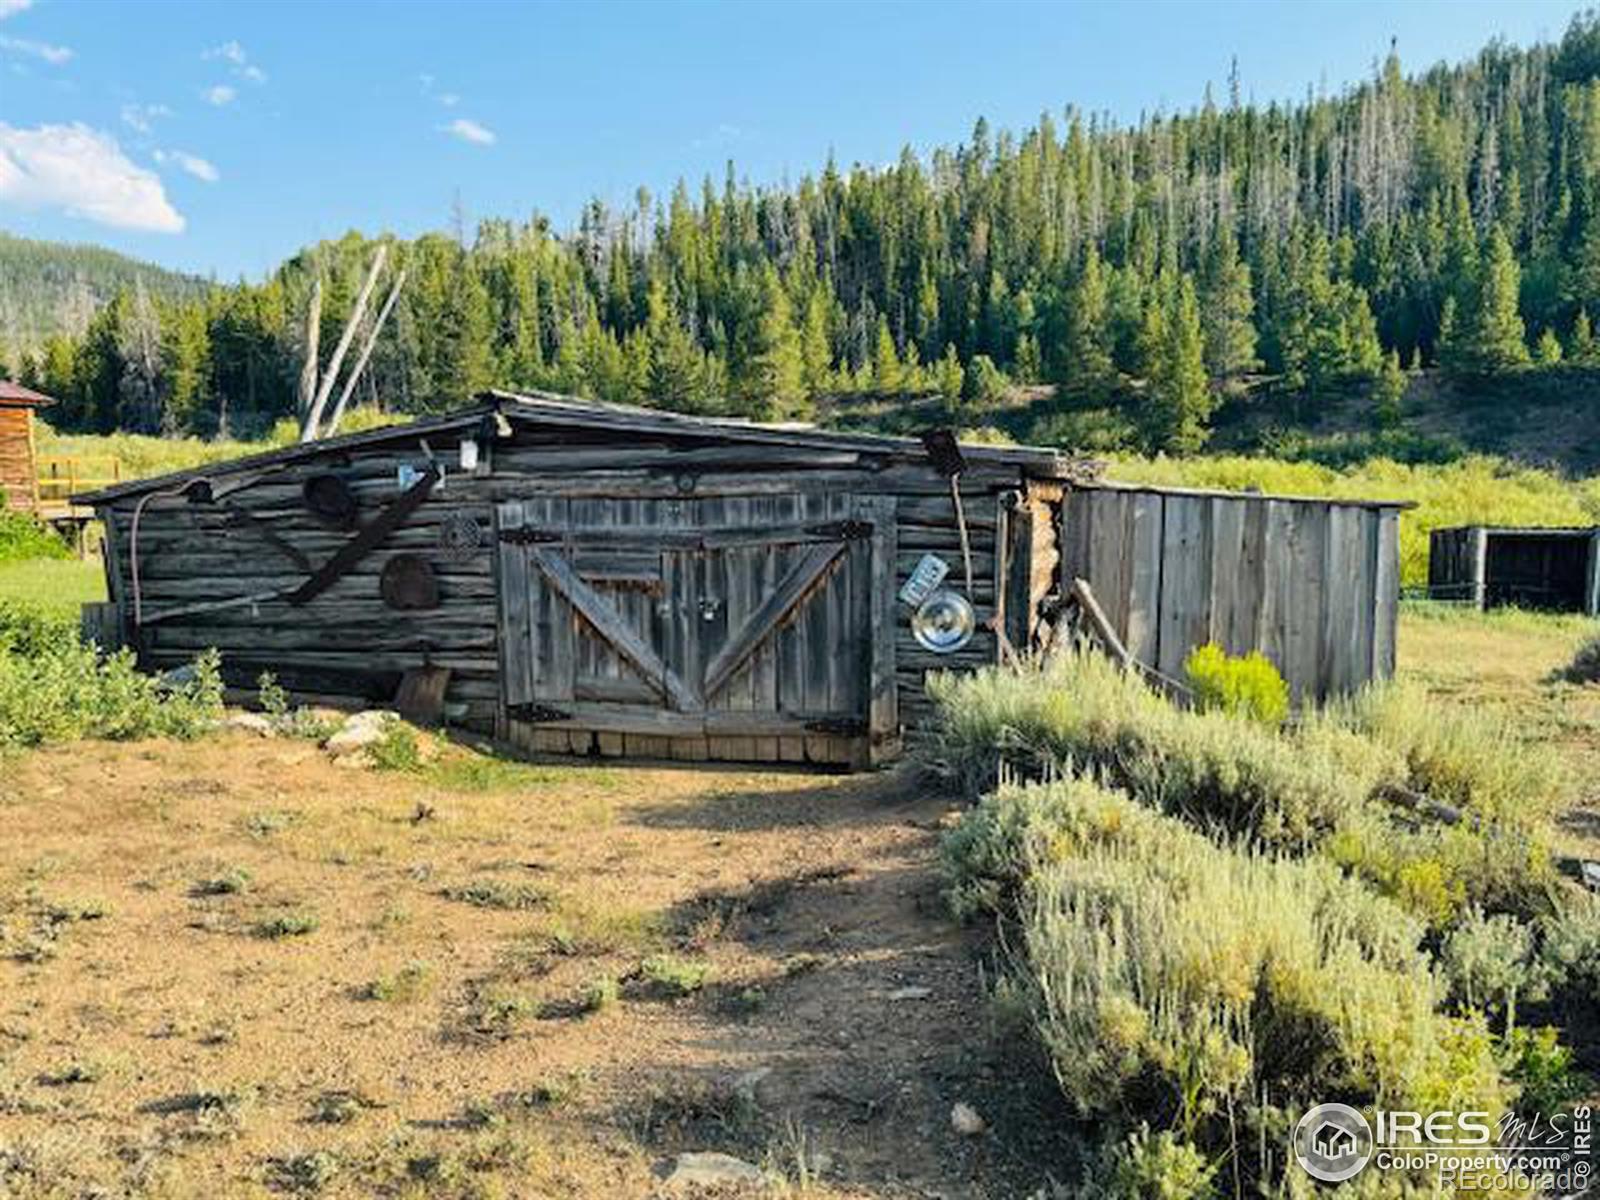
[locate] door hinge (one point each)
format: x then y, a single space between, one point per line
838 726
850 530
536 714
528 537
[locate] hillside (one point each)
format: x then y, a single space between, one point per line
1217 277
51 288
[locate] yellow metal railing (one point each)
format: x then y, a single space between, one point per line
66 475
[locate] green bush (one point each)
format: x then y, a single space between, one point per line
1490 963
1585 665
1469 758
29 630
1172 975
22 537
1085 712
67 691
1327 784
1246 686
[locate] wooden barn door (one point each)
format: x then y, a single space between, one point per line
741 628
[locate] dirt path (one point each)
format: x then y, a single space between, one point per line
233 968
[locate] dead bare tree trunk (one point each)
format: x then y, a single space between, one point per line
366 353
308 370
310 431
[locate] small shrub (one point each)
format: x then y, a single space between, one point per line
1585 665
270 695
1490 964
231 882
1147 1166
495 893
674 976
1542 1068
269 821
304 1173
29 630
1248 686
397 750
286 925
1168 974
67 690
23 537
338 1107
409 983
600 994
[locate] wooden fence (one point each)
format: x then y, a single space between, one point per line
1313 585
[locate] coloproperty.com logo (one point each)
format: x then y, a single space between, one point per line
1334 1143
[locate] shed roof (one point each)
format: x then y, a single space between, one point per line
542 408
1218 493
14 395
1574 531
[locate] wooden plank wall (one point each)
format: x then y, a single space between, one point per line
348 646
17 479
1314 586
1456 564
1594 573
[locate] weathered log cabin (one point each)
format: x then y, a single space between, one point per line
597 579
1487 566
19 476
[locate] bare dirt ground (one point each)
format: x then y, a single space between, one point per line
234 968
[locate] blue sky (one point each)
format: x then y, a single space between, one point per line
220 138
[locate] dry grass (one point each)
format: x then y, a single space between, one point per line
232 968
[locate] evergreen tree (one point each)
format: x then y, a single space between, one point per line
887 378
1547 350
1581 349
1180 394
1085 366
1496 340
773 385
674 377
1227 311
1388 392
816 346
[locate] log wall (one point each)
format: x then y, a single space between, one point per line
347 645
17 475
1313 585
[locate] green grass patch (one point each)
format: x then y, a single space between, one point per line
56 588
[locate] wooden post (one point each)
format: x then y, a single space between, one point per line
1594 573
1480 567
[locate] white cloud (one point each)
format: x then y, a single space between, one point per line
192 163
449 99
232 53
219 95
84 173
469 131
142 117
54 55
10 8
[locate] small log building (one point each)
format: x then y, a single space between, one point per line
19 478
598 579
